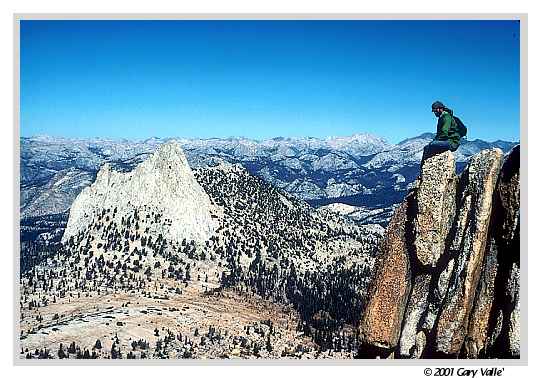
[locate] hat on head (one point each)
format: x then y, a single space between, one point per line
437 105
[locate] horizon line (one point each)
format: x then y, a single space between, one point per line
232 137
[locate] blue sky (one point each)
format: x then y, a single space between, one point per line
261 79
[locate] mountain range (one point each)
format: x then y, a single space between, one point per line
363 173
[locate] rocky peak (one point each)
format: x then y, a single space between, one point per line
446 283
161 192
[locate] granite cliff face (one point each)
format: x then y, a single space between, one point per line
163 186
447 277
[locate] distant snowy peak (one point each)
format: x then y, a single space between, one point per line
362 140
357 144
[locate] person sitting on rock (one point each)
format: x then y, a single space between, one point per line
447 134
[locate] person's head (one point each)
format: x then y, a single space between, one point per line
438 108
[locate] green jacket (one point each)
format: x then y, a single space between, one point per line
447 129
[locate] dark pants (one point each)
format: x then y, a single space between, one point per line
436 147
